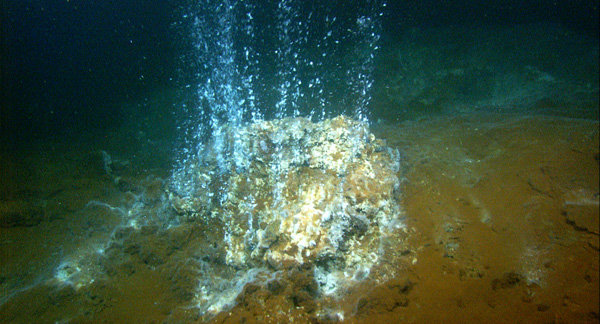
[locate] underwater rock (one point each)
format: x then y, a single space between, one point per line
19 213
290 192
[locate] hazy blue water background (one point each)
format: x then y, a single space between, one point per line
72 68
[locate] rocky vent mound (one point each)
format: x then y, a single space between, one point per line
290 192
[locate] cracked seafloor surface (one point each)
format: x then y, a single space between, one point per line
501 216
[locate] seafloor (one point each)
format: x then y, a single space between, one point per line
502 213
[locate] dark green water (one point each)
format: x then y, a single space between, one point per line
69 67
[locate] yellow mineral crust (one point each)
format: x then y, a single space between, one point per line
298 192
